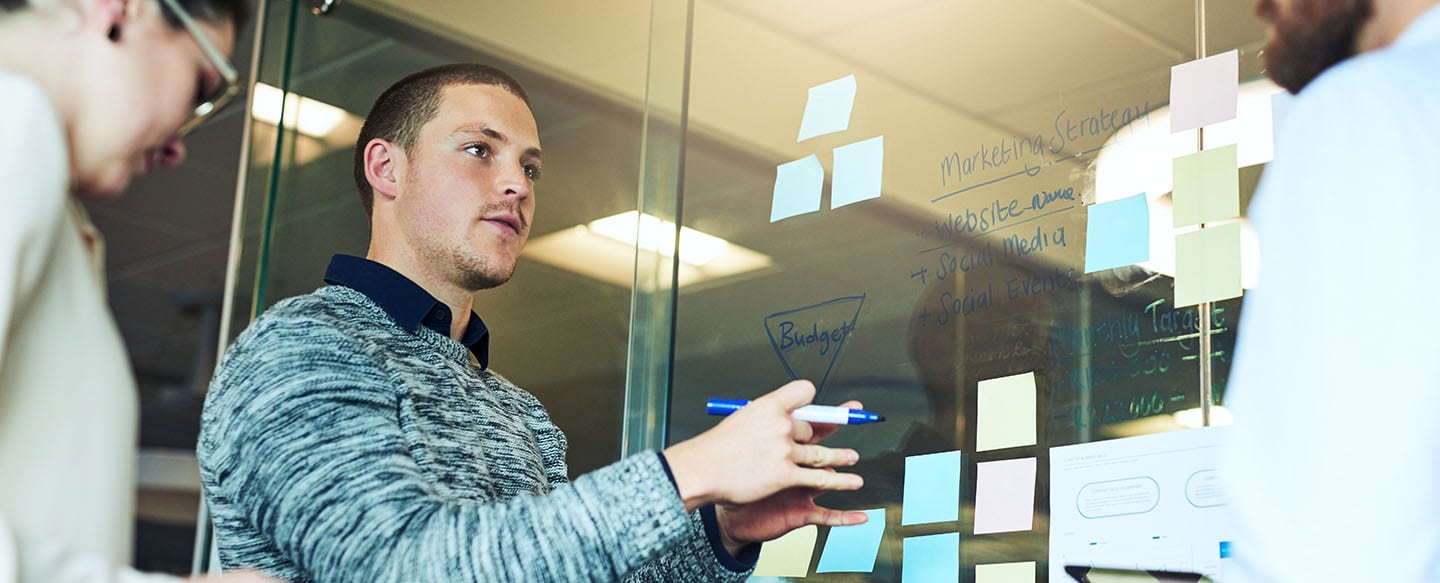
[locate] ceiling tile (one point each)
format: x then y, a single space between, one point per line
979 56
807 18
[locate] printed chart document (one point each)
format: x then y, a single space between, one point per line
1148 502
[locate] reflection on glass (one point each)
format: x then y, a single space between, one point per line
1002 123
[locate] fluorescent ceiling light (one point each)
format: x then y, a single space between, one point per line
606 249
657 235
308 116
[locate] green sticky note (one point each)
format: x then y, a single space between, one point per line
789 555
1023 572
1007 412
1207 186
1207 265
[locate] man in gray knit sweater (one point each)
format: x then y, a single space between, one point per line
357 434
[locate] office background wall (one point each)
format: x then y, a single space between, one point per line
684 110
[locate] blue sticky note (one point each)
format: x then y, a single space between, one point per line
828 108
852 549
932 488
858 168
797 188
1117 233
931 558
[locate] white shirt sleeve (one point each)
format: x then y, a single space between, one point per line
9 555
35 165
1336 383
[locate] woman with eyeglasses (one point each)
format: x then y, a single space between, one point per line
92 94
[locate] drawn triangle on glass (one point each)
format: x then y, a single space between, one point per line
808 340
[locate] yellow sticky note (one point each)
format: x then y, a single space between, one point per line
1007 412
1207 265
1023 572
789 555
1207 186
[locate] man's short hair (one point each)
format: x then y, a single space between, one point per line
412 102
236 12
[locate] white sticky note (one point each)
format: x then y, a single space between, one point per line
858 168
1204 91
1007 412
1022 572
797 188
1005 496
828 108
789 555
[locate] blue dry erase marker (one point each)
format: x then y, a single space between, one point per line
812 413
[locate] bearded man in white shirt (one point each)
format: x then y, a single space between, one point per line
1332 468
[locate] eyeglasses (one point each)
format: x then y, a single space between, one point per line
215 100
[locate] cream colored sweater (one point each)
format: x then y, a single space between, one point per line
68 401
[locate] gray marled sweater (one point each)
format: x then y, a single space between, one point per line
336 446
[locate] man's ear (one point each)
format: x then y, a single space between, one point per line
382 160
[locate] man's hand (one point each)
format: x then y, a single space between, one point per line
784 511
757 452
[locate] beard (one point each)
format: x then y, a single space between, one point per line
467 266
478 272
458 263
1310 36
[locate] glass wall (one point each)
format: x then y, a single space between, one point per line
560 327
559 334
991 127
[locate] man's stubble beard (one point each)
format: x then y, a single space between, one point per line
1314 36
477 272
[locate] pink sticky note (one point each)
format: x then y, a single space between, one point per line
1204 91
1005 495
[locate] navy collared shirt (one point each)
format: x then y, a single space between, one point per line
408 303
411 307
